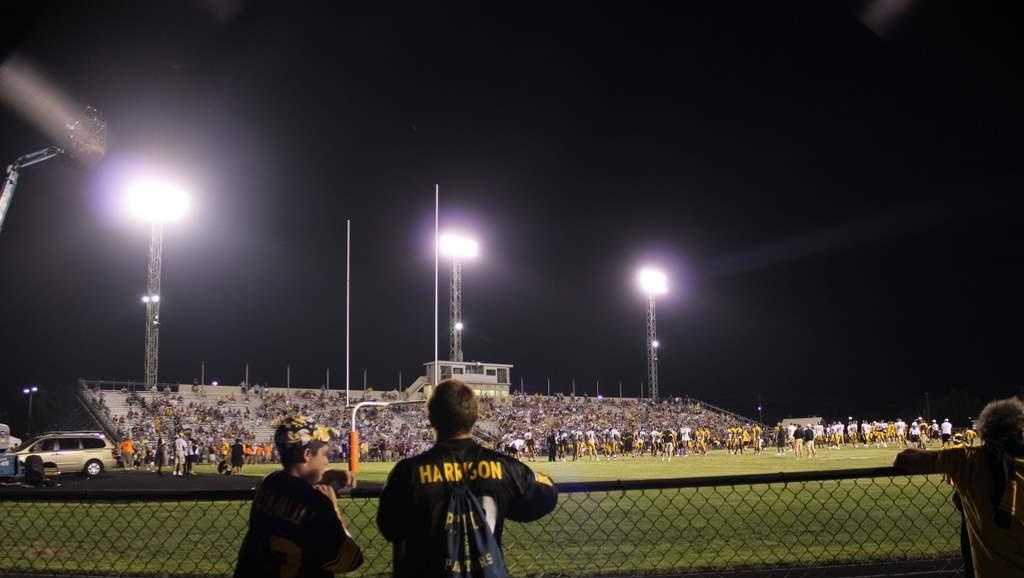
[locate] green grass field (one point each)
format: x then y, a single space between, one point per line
635 532
717 463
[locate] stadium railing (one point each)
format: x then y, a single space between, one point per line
837 523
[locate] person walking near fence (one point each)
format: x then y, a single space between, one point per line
990 482
444 510
295 527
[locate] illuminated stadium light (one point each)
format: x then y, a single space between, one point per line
652 281
156 201
458 246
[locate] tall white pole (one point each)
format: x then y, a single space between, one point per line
348 292
437 263
328 378
247 374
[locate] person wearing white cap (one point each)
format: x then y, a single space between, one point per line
947 432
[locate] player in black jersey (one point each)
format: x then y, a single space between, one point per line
413 503
295 530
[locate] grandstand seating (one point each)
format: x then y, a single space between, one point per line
224 412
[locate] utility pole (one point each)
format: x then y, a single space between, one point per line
574 386
620 389
549 387
598 387
328 378
202 373
364 379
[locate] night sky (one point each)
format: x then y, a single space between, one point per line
838 211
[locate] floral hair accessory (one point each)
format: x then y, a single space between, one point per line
298 430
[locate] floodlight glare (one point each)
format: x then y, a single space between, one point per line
458 246
156 201
34 389
25 391
656 344
458 326
145 298
652 281
155 299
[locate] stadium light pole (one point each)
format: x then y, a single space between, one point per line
30 391
156 202
437 259
348 298
457 248
653 282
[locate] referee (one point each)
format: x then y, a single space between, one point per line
415 497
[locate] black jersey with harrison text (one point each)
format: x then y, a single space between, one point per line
415 498
294 532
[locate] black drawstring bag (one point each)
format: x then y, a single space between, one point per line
471 550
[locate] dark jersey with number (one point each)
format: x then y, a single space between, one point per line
294 532
415 498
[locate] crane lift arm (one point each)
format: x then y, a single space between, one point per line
11 182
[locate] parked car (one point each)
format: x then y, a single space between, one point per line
85 452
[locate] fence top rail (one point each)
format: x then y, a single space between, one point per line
57 494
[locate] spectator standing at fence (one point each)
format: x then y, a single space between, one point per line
422 492
990 482
295 527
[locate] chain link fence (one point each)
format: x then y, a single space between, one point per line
843 523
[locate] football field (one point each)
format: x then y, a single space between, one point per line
801 524
716 463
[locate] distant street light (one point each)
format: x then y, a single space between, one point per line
653 282
457 248
155 202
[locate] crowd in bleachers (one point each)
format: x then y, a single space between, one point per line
213 419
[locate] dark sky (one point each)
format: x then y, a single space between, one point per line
839 212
